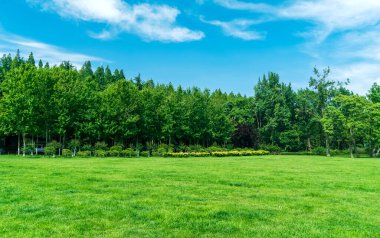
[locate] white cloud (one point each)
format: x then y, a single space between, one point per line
240 5
151 22
353 51
362 76
238 28
50 53
328 15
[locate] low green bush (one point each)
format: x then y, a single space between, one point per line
273 149
128 153
66 153
319 151
114 153
84 153
49 150
144 153
100 153
116 148
101 146
87 147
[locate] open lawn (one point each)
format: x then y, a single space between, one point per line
272 196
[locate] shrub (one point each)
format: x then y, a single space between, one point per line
118 148
144 153
183 148
66 153
49 150
128 153
273 149
196 148
87 147
30 148
214 148
74 146
114 153
319 151
100 153
101 146
84 153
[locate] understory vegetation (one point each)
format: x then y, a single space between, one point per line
97 112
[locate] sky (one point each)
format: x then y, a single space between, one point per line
215 44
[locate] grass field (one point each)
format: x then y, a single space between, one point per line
273 196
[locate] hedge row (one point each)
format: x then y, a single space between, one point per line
232 153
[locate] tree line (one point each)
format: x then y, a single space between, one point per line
39 102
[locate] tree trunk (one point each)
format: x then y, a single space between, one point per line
308 144
351 143
327 146
24 142
18 144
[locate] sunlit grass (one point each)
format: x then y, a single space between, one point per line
272 196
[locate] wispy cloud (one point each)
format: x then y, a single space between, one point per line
52 54
150 22
238 28
241 5
328 16
344 34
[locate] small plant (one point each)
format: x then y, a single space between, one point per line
49 150
66 153
87 147
100 153
128 153
319 151
273 149
144 153
114 153
74 146
101 146
84 153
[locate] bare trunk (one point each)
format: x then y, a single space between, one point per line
18 144
24 143
327 146
352 143
308 144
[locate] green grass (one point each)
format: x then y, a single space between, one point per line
273 196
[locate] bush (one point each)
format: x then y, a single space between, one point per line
84 153
101 146
144 153
273 149
49 150
74 146
196 148
66 153
100 153
118 148
319 151
128 153
87 147
30 148
114 153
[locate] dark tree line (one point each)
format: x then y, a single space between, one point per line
39 102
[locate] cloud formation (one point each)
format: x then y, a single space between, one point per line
50 53
150 22
238 28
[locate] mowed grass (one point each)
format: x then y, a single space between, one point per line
272 196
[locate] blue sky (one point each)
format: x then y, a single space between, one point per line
225 44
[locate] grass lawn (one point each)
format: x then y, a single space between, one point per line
272 196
